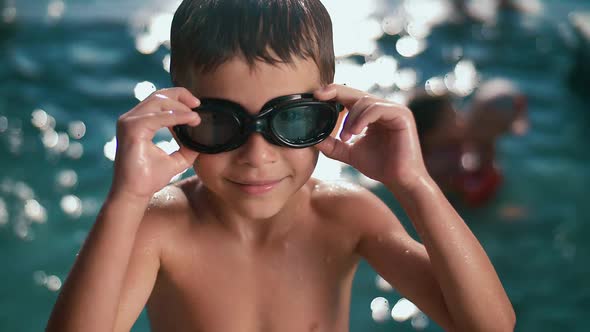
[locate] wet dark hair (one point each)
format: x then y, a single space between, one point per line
207 33
427 110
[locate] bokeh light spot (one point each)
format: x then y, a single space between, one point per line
110 148
71 205
143 90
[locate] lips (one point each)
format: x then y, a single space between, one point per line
256 187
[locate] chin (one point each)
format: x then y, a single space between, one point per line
259 209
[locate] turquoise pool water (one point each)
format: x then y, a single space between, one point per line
80 64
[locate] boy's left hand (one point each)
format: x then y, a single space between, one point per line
389 151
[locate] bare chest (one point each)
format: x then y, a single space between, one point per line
297 285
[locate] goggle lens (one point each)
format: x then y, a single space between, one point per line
216 128
301 124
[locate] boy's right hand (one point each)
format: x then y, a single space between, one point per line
142 168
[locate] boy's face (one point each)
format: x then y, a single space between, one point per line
256 179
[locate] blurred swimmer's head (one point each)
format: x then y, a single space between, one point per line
436 119
501 106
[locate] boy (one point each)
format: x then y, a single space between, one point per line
253 243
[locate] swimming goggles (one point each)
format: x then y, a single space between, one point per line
295 121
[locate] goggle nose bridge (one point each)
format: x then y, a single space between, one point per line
258 125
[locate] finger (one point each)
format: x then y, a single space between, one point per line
157 102
370 114
183 159
182 95
152 122
356 111
164 103
335 149
345 95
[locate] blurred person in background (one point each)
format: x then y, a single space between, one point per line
459 148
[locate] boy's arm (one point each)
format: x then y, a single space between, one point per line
450 277
115 271
113 274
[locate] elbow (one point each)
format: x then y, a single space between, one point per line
501 322
511 319
505 322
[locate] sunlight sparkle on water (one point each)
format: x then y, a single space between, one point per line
53 283
328 169
408 46
158 33
110 148
169 147
355 31
392 25
3 124
40 278
77 129
23 191
381 71
71 205
3 213
9 14
406 79
351 74
166 62
63 142
427 12
35 211
380 309
67 179
404 310
42 120
463 80
56 9
143 89
49 139
435 86
418 30
75 150
420 321
379 302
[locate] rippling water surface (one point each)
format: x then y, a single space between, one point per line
69 69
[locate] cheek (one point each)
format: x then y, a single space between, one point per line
303 160
208 166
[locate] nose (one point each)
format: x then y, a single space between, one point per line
257 151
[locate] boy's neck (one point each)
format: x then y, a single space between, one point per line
256 232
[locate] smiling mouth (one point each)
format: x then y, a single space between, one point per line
256 187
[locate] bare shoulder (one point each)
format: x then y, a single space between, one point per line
349 202
174 198
170 207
